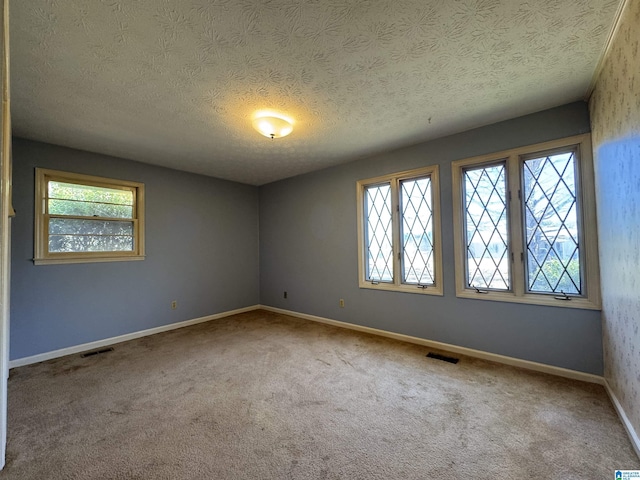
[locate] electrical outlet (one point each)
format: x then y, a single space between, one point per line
342 303
174 305
285 294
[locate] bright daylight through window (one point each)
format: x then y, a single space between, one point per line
525 225
485 195
551 224
399 232
80 218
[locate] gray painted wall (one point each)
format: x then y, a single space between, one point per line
201 246
308 247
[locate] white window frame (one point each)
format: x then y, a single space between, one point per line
42 256
586 209
394 181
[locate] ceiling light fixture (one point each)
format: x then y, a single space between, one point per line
272 125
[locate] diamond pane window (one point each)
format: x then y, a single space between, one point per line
486 227
551 224
525 225
399 232
417 231
379 243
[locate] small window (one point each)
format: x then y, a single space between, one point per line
399 232
80 218
525 225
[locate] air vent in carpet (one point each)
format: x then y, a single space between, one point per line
96 352
442 357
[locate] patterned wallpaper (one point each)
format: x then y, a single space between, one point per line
174 82
615 117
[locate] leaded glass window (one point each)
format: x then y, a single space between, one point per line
399 229
551 224
379 244
486 227
525 225
417 231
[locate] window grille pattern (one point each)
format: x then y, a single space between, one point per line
417 231
525 225
379 237
551 223
486 225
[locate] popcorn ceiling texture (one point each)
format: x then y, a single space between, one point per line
615 118
175 82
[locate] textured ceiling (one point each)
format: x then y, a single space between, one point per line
175 82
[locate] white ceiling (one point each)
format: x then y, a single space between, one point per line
175 82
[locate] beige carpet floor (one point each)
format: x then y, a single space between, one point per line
266 396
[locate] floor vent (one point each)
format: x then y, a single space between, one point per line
96 352
442 357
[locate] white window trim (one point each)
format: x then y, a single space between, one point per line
41 255
586 193
394 180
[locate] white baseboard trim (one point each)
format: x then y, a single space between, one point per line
633 435
41 357
538 367
470 352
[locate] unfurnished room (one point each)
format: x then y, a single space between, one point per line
350 239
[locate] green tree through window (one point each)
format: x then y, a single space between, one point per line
87 217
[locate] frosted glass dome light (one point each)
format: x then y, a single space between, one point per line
272 125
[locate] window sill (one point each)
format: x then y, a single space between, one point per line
531 299
58 261
430 290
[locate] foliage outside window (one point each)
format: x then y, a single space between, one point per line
525 225
81 218
399 232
